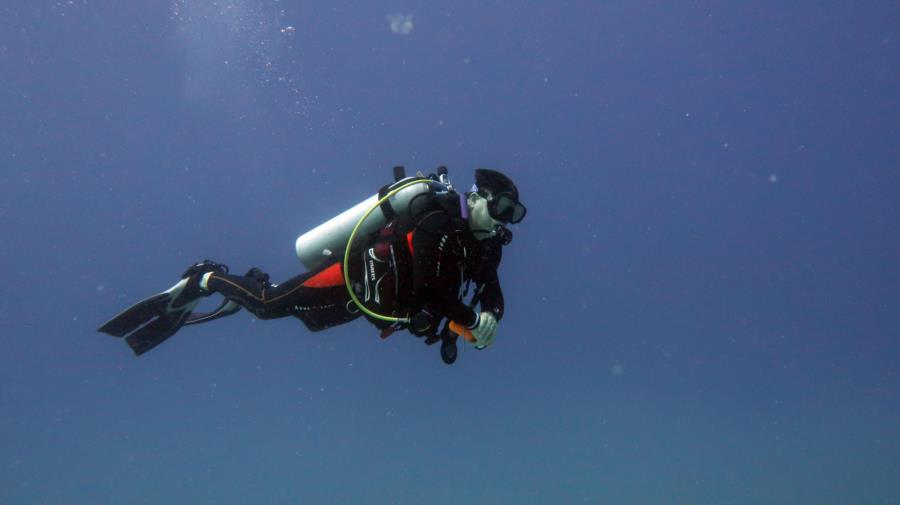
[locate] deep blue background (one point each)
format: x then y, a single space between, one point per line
703 305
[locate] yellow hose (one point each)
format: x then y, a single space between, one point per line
365 216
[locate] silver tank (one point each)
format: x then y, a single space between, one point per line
320 245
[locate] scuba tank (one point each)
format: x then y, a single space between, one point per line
324 242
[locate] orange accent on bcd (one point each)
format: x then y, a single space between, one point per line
409 241
330 277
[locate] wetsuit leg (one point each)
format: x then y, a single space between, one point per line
318 298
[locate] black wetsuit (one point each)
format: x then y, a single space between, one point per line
423 265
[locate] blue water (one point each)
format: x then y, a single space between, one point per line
703 304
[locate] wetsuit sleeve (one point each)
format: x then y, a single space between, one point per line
436 275
492 294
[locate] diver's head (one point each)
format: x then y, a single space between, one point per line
493 202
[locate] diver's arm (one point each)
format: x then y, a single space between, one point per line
437 287
492 295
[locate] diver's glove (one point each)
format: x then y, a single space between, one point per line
484 329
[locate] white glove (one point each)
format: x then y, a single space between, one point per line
484 329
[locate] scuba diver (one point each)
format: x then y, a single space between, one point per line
406 258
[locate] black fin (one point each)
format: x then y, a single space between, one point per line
156 332
135 316
226 308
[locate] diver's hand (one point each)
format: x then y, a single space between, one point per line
484 330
